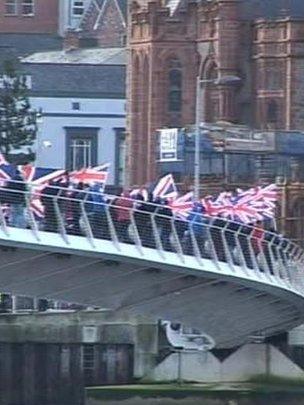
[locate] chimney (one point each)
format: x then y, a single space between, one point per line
71 39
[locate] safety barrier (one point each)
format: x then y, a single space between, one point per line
260 254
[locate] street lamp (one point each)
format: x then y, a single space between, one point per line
200 95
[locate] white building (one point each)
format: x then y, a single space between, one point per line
71 13
81 94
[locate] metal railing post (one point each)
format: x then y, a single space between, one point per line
60 219
88 229
157 239
138 243
253 257
33 223
196 249
226 248
240 252
177 243
113 234
3 222
213 250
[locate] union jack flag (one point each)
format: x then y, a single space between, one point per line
39 178
97 174
165 188
256 203
181 206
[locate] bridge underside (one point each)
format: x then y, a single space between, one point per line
229 309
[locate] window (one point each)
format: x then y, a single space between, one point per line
272 112
81 148
27 7
81 153
175 86
11 7
76 105
78 8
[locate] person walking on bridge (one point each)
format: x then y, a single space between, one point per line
16 196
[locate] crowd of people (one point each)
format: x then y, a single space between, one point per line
81 208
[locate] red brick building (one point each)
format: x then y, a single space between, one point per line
29 16
259 41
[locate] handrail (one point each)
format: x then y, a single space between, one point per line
269 257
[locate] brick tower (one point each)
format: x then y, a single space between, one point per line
169 47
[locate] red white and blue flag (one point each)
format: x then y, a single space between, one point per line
182 206
256 203
39 178
165 188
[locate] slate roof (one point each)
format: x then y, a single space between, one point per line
97 72
252 9
272 8
81 56
13 46
71 80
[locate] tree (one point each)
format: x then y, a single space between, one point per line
18 121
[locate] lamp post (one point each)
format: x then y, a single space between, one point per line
200 109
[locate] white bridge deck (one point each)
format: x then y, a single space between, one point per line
217 284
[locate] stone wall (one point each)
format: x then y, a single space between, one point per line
48 358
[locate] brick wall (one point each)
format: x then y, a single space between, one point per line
44 20
112 30
155 38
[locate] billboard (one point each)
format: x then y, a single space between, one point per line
168 144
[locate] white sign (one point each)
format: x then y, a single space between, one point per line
89 334
4 79
168 144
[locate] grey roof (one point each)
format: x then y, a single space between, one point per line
272 8
93 56
57 80
13 46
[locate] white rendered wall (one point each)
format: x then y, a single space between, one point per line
247 362
107 114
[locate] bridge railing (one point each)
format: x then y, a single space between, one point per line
259 253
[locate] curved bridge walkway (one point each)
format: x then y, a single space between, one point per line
218 276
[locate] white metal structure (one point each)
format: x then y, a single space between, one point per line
215 281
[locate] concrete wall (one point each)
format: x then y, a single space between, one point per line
44 357
249 361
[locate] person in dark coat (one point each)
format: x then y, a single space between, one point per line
245 242
15 196
143 214
123 206
96 206
163 215
196 226
77 197
217 237
48 196
269 252
230 234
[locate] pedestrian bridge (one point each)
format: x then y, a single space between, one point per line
222 281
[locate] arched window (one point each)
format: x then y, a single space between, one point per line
174 86
272 112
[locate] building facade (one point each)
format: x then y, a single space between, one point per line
81 94
98 23
172 43
29 16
